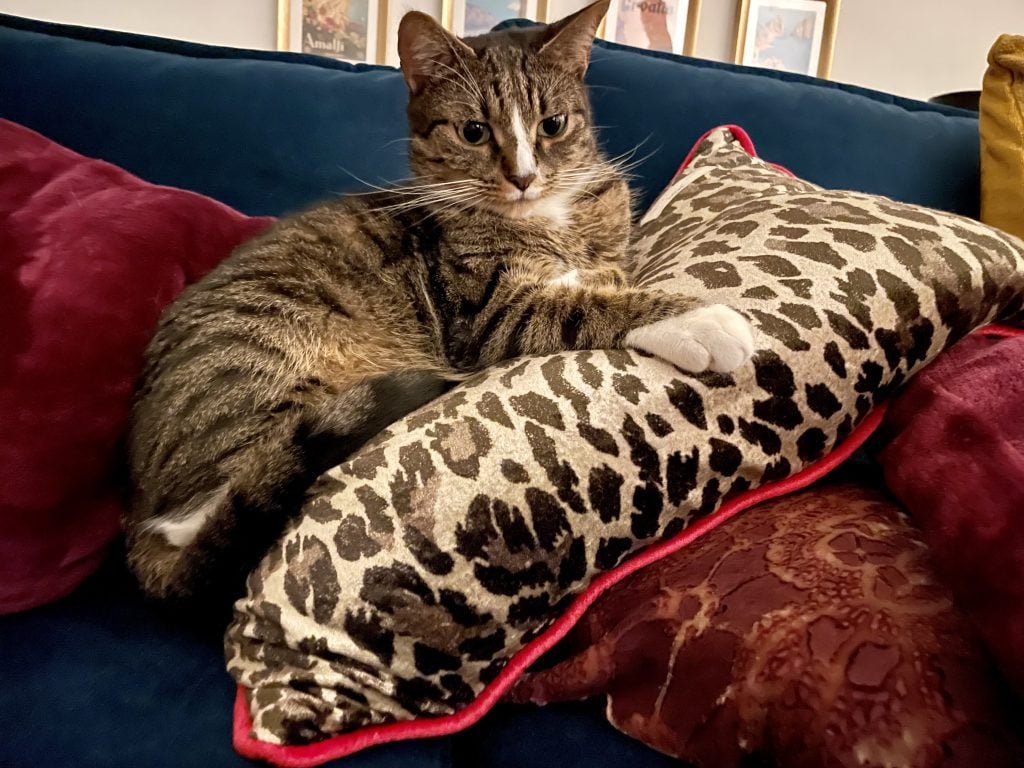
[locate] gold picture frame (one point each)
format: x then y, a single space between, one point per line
453 14
292 31
813 20
682 32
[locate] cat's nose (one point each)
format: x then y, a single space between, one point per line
521 183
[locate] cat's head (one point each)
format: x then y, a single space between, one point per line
501 121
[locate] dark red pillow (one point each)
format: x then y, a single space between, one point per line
89 256
809 631
955 458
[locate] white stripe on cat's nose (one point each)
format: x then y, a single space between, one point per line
525 163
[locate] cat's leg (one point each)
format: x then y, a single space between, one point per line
217 519
544 319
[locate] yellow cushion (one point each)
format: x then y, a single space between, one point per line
1002 136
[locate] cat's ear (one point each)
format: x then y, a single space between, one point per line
427 50
569 40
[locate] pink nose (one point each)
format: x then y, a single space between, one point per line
521 182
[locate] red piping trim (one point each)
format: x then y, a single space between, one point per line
745 141
309 755
1001 331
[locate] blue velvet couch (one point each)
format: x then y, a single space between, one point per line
103 678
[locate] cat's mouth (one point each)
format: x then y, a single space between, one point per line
523 196
545 204
517 204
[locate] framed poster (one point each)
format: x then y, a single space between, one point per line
352 30
789 35
657 25
396 10
467 18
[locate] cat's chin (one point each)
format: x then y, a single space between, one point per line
554 208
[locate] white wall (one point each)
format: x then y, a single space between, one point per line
238 23
920 48
916 48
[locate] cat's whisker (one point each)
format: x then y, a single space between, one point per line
417 192
453 208
464 77
396 141
430 200
453 182
474 107
469 77
626 161
448 211
593 86
373 188
587 175
397 187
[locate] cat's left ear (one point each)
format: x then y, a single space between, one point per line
427 50
570 40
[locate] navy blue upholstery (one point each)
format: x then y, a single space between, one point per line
104 679
271 132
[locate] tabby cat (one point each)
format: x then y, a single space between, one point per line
311 338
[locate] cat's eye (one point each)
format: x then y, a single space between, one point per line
474 132
553 126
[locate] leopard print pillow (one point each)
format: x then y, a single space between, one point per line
425 565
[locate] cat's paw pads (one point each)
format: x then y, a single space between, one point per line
714 338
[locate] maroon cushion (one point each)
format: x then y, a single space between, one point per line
89 256
809 631
956 460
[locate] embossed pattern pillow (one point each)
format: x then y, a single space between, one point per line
430 570
809 631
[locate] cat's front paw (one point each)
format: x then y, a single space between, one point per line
714 338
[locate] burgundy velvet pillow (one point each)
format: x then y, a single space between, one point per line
89 256
955 458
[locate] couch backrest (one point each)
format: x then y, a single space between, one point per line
271 132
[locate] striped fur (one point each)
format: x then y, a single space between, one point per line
313 337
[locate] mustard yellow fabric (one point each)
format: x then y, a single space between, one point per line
1002 136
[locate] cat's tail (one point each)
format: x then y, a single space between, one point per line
201 553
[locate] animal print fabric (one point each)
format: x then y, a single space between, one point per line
421 566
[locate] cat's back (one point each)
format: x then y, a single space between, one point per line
313 302
269 305
344 231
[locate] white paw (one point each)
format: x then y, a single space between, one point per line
713 337
569 278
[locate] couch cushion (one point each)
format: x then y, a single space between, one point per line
270 132
104 679
89 256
